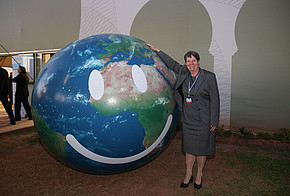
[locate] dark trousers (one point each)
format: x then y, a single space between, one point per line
24 100
7 107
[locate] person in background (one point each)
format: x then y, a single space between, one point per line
4 94
197 96
22 93
10 89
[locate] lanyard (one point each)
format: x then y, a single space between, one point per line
190 87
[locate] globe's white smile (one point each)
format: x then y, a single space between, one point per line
96 88
102 159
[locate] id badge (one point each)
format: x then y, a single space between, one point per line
188 100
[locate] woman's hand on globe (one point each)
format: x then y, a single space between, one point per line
152 47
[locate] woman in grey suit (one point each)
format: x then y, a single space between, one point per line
197 96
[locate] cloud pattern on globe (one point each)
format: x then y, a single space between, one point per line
104 104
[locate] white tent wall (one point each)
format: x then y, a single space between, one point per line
244 42
261 67
29 25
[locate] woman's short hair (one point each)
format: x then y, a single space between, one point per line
23 70
191 53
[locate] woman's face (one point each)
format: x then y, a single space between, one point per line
19 70
192 64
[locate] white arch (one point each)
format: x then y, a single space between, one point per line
223 15
110 16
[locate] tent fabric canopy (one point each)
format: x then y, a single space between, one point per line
257 70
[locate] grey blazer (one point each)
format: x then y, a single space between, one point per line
206 95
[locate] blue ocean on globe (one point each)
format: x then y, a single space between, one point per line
104 104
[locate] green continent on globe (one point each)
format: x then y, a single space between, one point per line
54 141
120 93
152 110
127 47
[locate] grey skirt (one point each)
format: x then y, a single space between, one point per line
198 140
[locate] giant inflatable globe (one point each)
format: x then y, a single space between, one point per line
104 104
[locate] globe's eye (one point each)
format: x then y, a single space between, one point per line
139 78
96 85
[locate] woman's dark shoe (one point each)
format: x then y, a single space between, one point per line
183 185
12 122
198 186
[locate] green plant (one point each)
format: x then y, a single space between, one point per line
282 135
227 133
264 135
220 131
245 133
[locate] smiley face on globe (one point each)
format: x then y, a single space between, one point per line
104 104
